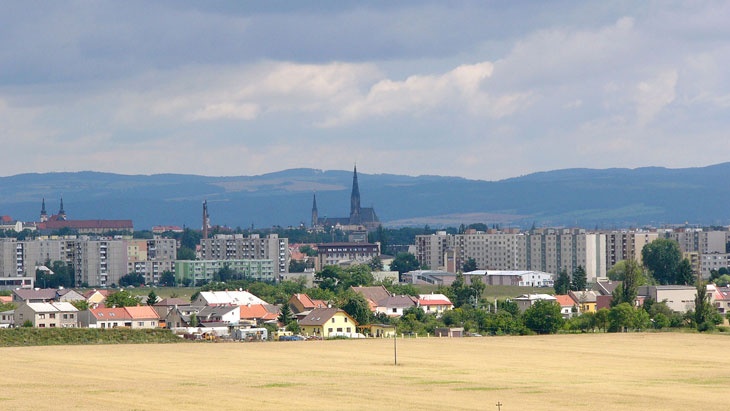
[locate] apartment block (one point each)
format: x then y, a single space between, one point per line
253 247
201 271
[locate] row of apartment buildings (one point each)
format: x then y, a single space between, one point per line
551 250
102 261
97 261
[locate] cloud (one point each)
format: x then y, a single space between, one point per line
654 94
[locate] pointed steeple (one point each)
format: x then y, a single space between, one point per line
355 199
44 214
61 211
206 220
315 213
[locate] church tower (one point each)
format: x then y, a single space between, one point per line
206 220
44 214
61 212
315 213
355 200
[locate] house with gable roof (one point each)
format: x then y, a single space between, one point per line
301 303
434 303
395 305
586 301
47 315
567 305
139 317
258 314
328 322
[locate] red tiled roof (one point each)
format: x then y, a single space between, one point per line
257 312
434 302
6 219
564 300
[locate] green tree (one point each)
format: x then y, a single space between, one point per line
329 277
185 253
543 317
151 298
121 299
621 317
602 319
703 308
684 273
662 257
356 306
190 239
296 266
562 283
469 265
133 279
167 279
579 280
376 264
627 291
285 315
308 251
404 262
194 322
81 305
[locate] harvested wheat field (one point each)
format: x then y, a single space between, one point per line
662 371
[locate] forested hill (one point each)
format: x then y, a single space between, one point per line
571 197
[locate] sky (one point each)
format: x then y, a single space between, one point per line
479 89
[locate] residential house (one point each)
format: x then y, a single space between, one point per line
722 299
164 306
328 322
434 303
226 314
35 295
395 305
567 305
258 314
7 319
138 317
526 301
584 300
69 295
47 315
378 330
302 303
95 297
680 298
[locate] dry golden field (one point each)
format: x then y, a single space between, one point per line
662 371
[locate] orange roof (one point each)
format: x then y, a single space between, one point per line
124 313
105 313
256 312
564 300
434 302
6 298
142 312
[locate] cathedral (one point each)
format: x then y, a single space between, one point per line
359 216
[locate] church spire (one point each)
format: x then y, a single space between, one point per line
61 211
44 214
206 220
355 199
315 213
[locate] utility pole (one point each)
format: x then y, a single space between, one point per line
395 347
499 405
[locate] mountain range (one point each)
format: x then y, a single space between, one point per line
605 198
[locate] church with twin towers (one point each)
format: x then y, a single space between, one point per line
359 216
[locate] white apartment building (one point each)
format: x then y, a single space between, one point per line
253 247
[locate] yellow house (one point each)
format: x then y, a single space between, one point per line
328 322
584 300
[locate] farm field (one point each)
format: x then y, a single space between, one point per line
652 371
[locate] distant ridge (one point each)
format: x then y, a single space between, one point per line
607 198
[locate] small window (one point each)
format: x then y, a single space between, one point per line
333 319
